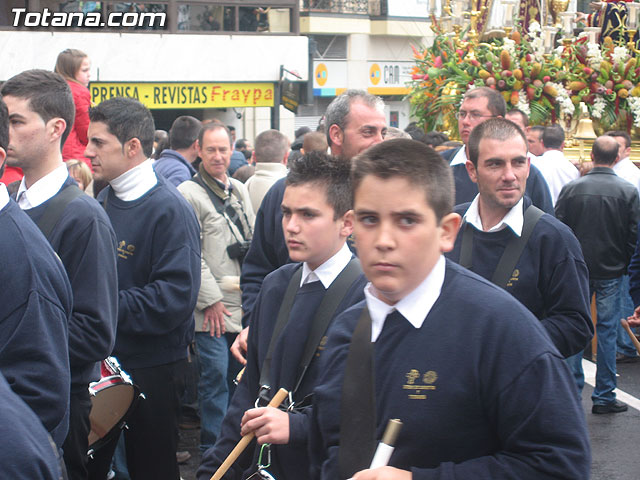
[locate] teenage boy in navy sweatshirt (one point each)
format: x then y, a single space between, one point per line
41 114
158 278
317 219
481 396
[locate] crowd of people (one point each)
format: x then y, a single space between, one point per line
345 267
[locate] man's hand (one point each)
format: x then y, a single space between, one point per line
269 424
634 320
383 473
214 319
239 347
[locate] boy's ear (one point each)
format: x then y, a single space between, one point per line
347 223
57 127
471 170
449 226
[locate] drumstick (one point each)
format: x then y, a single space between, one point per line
275 402
635 341
387 444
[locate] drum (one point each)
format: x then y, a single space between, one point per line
113 399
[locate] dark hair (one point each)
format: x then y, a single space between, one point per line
126 118
322 169
241 144
338 110
161 141
495 129
523 116
184 131
271 146
213 126
605 150
68 63
48 94
435 139
301 131
537 128
419 164
553 136
495 102
4 125
620 133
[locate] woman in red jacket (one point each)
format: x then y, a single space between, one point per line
74 66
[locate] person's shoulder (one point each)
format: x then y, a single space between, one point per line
560 235
280 276
461 208
273 197
449 154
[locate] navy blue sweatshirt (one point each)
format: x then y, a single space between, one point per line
287 461
268 250
85 242
634 273
158 275
26 451
173 167
501 401
552 279
537 189
35 302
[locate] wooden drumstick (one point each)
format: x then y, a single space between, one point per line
275 402
635 341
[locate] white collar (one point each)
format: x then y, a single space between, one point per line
4 196
460 157
329 270
135 182
414 307
552 154
43 189
514 219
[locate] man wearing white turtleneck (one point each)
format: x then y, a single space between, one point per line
41 113
158 258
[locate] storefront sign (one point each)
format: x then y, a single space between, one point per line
389 78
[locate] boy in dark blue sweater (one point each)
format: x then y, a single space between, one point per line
481 396
158 254
317 219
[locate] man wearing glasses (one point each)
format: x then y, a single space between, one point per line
479 105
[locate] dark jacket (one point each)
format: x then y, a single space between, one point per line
537 189
603 211
174 167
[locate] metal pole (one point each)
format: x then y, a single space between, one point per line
275 110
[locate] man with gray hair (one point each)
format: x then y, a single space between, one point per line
603 211
547 273
479 105
354 121
270 154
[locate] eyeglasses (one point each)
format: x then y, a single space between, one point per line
472 115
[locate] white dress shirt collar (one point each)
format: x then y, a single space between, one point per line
43 189
4 196
460 157
329 270
514 219
414 307
134 183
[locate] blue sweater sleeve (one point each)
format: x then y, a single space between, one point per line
538 191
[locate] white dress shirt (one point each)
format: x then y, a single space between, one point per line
556 170
4 196
43 189
627 170
134 183
414 307
460 157
514 219
329 270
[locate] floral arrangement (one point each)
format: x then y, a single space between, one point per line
547 87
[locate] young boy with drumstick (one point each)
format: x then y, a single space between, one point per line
480 389
288 323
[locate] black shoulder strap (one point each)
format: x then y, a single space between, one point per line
220 205
56 207
281 321
358 405
216 200
325 313
466 246
514 249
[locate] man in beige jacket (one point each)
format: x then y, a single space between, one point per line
226 218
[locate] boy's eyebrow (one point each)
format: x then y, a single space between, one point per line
300 209
16 115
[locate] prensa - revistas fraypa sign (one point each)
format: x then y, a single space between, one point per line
187 95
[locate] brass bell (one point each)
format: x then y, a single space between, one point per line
585 130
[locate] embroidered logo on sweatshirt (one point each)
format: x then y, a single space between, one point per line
418 384
125 251
514 278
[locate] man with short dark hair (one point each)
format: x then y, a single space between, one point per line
534 138
175 164
603 211
354 121
270 155
518 117
548 274
35 307
554 166
479 105
41 113
158 279
223 209
624 167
